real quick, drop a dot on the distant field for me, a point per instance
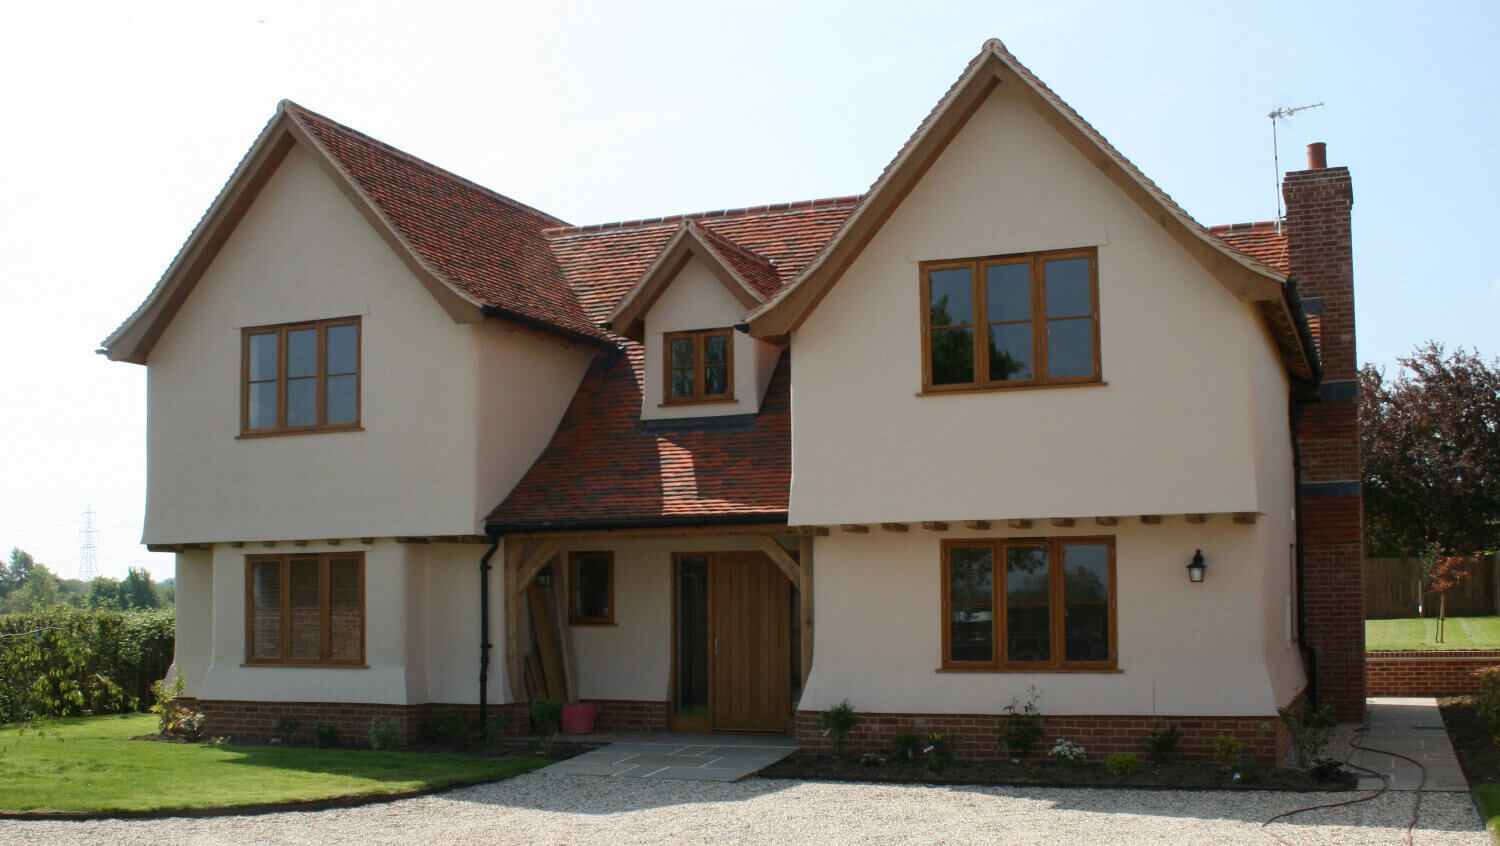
(1415, 634)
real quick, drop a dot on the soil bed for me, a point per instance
(1477, 753)
(1052, 774)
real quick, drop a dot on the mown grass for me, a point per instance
(90, 765)
(1409, 634)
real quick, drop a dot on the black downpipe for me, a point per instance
(484, 638)
(1309, 654)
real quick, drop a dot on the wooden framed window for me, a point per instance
(1011, 321)
(300, 377)
(699, 366)
(305, 609)
(591, 588)
(1029, 603)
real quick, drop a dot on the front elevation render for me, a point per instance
(422, 449)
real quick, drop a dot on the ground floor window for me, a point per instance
(305, 609)
(1029, 603)
(591, 584)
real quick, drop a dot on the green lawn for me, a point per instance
(89, 765)
(1414, 633)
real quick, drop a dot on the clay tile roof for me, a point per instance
(767, 245)
(1263, 241)
(604, 467)
(486, 245)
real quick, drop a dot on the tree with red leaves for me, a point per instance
(1442, 572)
(1430, 443)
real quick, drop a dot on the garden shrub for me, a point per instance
(326, 736)
(64, 661)
(839, 721)
(546, 715)
(1161, 743)
(1310, 728)
(906, 745)
(383, 733)
(455, 728)
(1067, 752)
(1228, 751)
(1022, 725)
(1122, 764)
(1487, 700)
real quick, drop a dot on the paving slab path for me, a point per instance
(540, 808)
(700, 757)
(1413, 727)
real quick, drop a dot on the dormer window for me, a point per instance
(700, 366)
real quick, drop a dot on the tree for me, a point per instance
(12, 577)
(1442, 572)
(137, 591)
(40, 591)
(104, 592)
(1430, 441)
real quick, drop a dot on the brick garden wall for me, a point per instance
(978, 735)
(1439, 673)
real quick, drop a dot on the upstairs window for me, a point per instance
(1011, 321)
(700, 366)
(1029, 604)
(300, 377)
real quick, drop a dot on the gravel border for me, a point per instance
(547, 809)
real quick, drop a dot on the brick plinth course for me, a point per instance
(978, 736)
(1437, 673)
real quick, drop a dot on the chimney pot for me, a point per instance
(1317, 156)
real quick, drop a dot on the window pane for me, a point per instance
(263, 405)
(346, 616)
(302, 353)
(1070, 347)
(690, 629)
(1010, 351)
(301, 402)
(1088, 633)
(951, 296)
(343, 398)
(343, 349)
(1027, 633)
(682, 352)
(970, 575)
(1086, 572)
(1009, 291)
(972, 636)
(715, 381)
(952, 356)
(716, 349)
(682, 383)
(265, 609)
(263, 357)
(1027, 572)
(1068, 288)
(307, 625)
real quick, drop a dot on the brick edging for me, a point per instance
(1439, 672)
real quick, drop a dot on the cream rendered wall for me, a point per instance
(452, 414)
(696, 299)
(451, 602)
(194, 592)
(1171, 432)
(1276, 480)
(1183, 648)
(387, 648)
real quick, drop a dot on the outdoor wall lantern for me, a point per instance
(1196, 567)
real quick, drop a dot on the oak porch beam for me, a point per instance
(805, 600)
(514, 558)
(534, 563)
(780, 558)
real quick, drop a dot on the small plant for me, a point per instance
(1161, 743)
(1487, 700)
(839, 721)
(190, 724)
(383, 733)
(907, 745)
(454, 728)
(870, 759)
(165, 698)
(287, 727)
(937, 763)
(1229, 752)
(326, 736)
(1122, 764)
(1326, 770)
(546, 714)
(1310, 729)
(935, 743)
(1022, 725)
(1067, 752)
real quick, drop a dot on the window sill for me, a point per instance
(283, 432)
(1104, 670)
(989, 389)
(307, 666)
(714, 401)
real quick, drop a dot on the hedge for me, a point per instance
(66, 661)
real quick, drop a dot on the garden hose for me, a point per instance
(1384, 786)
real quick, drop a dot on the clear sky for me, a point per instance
(125, 119)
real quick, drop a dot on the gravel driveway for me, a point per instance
(547, 809)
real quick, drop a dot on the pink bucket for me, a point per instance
(578, 717)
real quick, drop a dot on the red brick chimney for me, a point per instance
(1326, 428)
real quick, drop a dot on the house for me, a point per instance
(424, 450)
